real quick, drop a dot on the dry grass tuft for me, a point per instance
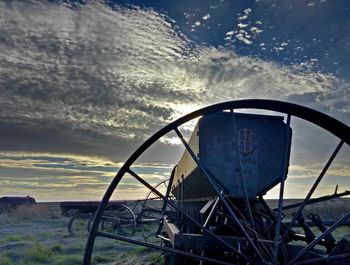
(33, 212)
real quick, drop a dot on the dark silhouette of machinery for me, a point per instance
(9, 203)
(212, 209)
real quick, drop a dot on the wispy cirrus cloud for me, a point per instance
(77, 80)
(96, 81)
(53, 177)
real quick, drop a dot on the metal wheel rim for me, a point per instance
(324, 121)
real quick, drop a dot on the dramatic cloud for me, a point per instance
(95, 80)
(77, 80)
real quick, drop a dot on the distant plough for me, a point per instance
(118, 215)
(8, 204)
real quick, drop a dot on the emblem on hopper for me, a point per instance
(246, 141)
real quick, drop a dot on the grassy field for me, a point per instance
(38, 235)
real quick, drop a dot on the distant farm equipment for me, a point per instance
(11, 203)
(117, 215)
(212, 208)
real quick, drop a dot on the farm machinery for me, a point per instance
(118, 215)
(212, 209)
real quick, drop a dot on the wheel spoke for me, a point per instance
(155, 246)
(314, 186)
(281, 194)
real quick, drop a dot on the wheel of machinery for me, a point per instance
(246, 231)
(119, 220)
(151, 213)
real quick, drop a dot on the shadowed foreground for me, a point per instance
(38, 235)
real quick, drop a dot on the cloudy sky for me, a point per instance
(84, 83)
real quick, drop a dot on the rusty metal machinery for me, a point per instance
(232, 147)
(212, 209)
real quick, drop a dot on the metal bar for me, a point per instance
(314, 186)
(268, 209)
(210, 215)
(281, 195)
(202, 254)
(218, 192)
(242, 177)
(178, 194)
(181, 188)
(150, 235)
(319, 238)
(155, 246)
(166, 202)
(328, 258)
(145, 183)
(246, 199)
(200, 241)
(70, 224)
(326, 223)
(316, 200)
(301, 237)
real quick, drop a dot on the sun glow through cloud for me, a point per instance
(81, 87)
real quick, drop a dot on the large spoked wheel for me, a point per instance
(152, 212)
(119, 220)
(263, 239)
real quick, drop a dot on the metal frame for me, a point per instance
(283, 176)
(161, 212)
(330, 124)
(114, 217)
